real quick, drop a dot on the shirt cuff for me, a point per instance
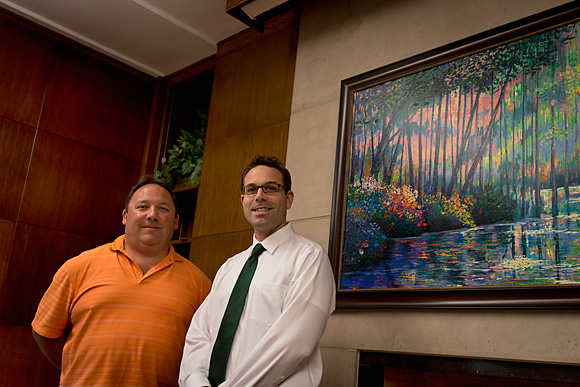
(195, 380)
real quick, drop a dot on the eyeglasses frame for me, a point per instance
(261, 186)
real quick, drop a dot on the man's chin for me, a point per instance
(151, 240)
(267, 227)
(259, 222)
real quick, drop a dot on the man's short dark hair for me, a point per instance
(149, 179)
(271, 162)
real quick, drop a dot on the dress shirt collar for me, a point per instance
(272, 242)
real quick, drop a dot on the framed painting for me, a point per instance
(458, 174)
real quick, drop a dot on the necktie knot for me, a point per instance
(258, 249)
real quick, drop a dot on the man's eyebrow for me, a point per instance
(268, 182)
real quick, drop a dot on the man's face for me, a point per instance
(266, 212)
(150, 218)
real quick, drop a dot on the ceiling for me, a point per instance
(157, 37)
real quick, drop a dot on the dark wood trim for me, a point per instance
(193, 71)
(372, 364)
(155, 127)
(560, 298)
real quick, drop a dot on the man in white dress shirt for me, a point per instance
(290, 298)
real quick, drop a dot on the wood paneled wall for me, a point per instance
(249, 115)
(22, 363)
(76, 132)
(73, 128)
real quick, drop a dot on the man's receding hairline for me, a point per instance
(149, 180)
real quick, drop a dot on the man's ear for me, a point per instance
(289, 199)
(125, 217)
(176, 225)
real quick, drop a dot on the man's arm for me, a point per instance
(197, 350)
(51, 319)
(51, 348)
(199, 339)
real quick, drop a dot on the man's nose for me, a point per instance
(260, 193)
(152, 213)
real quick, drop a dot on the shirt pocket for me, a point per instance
(266, 303)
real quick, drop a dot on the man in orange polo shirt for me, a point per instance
(117, 315)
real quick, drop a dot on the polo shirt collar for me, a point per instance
(119, 245)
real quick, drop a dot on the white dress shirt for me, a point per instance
(291, 296)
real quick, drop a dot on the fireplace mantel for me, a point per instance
(372, 368)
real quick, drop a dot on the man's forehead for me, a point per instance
(150, 192)
(263, 174)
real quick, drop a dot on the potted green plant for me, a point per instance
(182, 166)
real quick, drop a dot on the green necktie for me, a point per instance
(223, 343)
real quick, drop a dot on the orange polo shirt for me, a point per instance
(127, 329)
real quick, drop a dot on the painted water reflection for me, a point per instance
(527, 253)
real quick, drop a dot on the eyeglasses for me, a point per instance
(268, 188)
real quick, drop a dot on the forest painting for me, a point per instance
(466, 174)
